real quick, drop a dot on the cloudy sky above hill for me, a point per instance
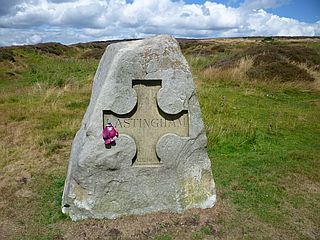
(70, 21)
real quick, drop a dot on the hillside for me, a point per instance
(260, 100)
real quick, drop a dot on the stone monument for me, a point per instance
(159, 161)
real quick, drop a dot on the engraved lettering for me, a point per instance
(171, 123)
(147, 122)
(118, 123)
(126, 123)
(154, 123)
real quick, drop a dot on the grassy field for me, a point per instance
(260, 100)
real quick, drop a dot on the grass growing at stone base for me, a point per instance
(263, 139)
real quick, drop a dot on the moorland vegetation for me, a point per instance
(260, 101)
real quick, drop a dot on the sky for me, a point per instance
(72, 21)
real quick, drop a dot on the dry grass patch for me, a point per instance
(177, 226)
(235, 74)
(314, 72)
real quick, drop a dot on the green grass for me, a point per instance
(202, 233)
(58, 72)
(163, 237)
(263, 140)
(46, 214)
(260, 141)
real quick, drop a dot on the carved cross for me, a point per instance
(146, 123)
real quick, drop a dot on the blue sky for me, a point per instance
(306, 11)
(70, 21)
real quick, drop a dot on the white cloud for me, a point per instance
(35, 39)
(263, 23)
(68, 21)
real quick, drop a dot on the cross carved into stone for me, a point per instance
(146, 123)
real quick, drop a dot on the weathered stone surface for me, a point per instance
(159, 162)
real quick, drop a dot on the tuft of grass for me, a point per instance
(6, 55)
(163, 237)
(237, 73)
(202, 233)
(77, 104)
(197, 235)
(206, 230)
(95, 53)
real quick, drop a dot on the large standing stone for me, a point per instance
(159, 162)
